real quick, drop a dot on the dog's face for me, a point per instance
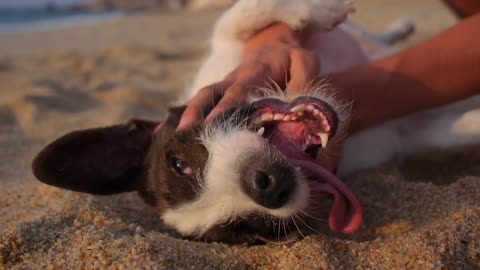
(251, 174)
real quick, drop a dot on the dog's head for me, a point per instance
(249, 174)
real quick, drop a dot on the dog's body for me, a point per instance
(251, 173)
(346, 46)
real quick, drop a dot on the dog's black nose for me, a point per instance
(270, 187)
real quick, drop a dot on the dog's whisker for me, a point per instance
(312, 217)
(308, 226)
(298, 229)
(284, 227)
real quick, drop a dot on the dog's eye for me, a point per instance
(180, 166)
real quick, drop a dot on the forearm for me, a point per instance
(440, 71)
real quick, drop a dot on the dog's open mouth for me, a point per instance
(300, 127)
(299, 130)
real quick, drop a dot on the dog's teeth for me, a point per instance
(324, 138)
(325, 125)
(267, 117)
(261, 131)
(310, 108)
(298, 108)
(294, 118)
(322, 116)
(287, 118)
(278, 116)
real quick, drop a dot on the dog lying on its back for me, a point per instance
(250, 174)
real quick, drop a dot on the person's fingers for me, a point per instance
(206, 97)
(304, 68)
(235, 96)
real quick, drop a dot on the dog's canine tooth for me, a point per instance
(267, 117)
(324, 138)
(261, 131)
(278, 116)
(298, 108)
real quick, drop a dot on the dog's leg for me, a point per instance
(379, 45)
(246, 17)
(397, 31)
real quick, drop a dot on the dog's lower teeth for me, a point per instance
(267, 117)
(286, 118)
(261, 131)
(298, 108)
(278, 116)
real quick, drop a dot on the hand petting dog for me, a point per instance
(404, 83)
(274, 55)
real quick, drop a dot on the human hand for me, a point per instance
(274, 55)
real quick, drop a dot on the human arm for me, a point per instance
(440, 71)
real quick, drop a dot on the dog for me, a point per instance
(251, 174)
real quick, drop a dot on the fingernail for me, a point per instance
(208, 118)
(182, 125)
(211, 115)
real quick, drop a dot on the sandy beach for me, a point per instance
(420, 213)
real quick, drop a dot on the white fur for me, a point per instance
(221, 199)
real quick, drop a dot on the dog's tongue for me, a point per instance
(346, 214)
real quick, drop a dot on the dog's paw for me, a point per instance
(322, 14)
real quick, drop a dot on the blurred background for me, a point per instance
(83, 25)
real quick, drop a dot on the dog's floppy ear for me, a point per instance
(104, 160)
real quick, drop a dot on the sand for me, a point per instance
(420, 213)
